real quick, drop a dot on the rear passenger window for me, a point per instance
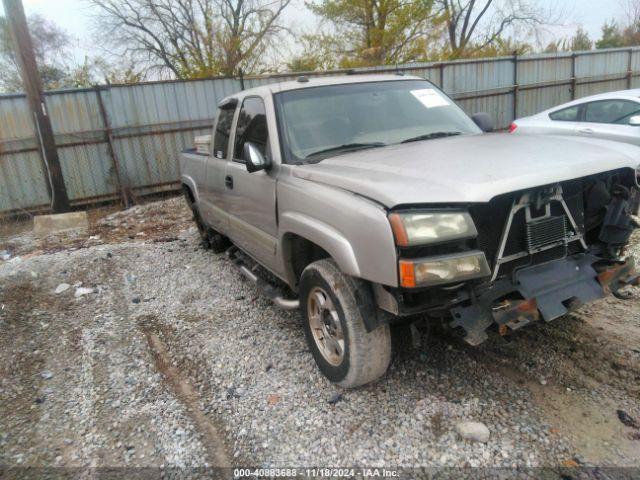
(252, 127)
(611, 111)
(570, 114)
(223, 130)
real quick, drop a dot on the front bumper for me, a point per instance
(548, 291)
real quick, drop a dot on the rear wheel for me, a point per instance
(345, 352)
(210, 239)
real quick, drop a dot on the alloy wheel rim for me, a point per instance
(325, 326)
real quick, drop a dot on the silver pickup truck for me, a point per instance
(372, 199)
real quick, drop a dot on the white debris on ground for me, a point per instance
(169, 358)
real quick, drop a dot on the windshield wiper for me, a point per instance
(347, 147)
(430, 136)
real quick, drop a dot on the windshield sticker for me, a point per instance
(430, 98)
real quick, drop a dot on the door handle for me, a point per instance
(588, 131)
(228, 181)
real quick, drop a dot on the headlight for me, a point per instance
(423, 228)
(443, 269)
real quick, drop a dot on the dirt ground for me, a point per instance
(171, 360)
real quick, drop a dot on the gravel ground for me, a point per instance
(174, 360)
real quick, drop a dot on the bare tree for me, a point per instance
(192, 38)
(631, 11)
(52, 50)
(472, 25)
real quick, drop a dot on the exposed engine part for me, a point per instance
(615, 278)
(547, 291)
(597, 197)
(543, 230)
(617, 224)
(551, 258)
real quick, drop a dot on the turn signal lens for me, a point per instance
(399, 232)
(512, 127)
(407, 274)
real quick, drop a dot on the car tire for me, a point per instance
(333, 305)
(210, 239)
(218, 243)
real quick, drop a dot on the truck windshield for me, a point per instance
(322, 122)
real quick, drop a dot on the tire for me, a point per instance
(338, 326)
(217, 242)
(210, 239)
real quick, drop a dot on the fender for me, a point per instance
(191, 183)
(323, 235)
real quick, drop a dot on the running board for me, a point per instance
(272, 292)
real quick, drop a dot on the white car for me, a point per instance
(612, 116)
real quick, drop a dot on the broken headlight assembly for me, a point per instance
(424, 228)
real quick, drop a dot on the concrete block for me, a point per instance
(60, 222)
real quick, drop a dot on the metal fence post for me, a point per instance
(441, 75)
(629, 71)
(125, 192)
(516, 87)
(241, 79)
(574, 82)
(32, 83)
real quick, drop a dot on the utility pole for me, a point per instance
(32, 83)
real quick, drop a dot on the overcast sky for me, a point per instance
(76, 17)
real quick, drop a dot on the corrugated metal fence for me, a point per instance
(117, 136)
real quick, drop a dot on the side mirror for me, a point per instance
(484, 121)
(254, 159)
(635, 121)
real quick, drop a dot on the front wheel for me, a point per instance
(345, 352)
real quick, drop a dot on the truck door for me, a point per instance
(251, 197)
(214, 208)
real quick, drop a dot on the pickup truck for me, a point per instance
(373, 199)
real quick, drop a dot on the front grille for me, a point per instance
(545, 231)
(490, 219)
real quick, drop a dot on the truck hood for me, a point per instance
(467, 169)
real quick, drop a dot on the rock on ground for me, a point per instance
(473, 431)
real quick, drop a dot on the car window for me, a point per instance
(317, 122)
(611, 111)
(570, 114)
(252, 126)
(222, 132)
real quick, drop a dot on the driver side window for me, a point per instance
(252, 127)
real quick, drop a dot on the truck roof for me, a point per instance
(311, 82)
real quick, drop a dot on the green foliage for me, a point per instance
(370, 32)
(94, 71)
(611, 36)
(581, 41)
(499, 48)
(318, 52)
(615, 36)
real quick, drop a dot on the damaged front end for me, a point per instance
(558, 247)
